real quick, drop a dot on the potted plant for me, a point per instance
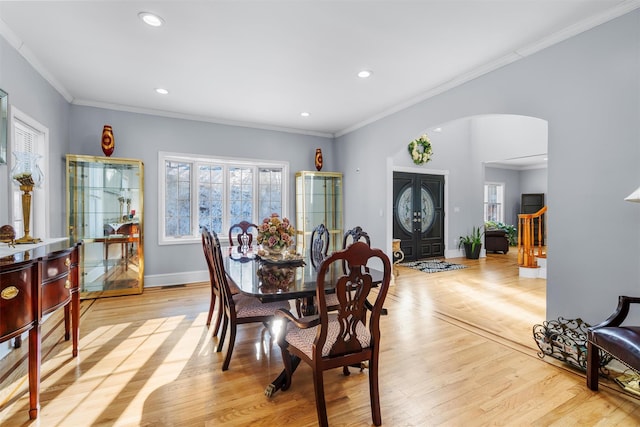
(472, 243)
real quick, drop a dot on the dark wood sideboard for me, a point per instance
(33, 283)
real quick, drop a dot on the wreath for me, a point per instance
(420, 150)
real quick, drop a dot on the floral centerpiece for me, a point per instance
(275, 277)
(275, 234)
(420, 150)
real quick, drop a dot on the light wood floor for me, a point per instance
(457, 351)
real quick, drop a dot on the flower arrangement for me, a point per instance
(278, 277)
(420, 150)
(275, 233)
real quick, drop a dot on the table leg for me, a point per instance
(280, 380)
(307, 306)
(75, 322)
(67, 321)
(34, 371)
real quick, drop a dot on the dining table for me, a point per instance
(283, 277)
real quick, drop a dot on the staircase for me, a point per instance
(532, 257)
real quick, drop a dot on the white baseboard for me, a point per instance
(183, 278)
(459, 253)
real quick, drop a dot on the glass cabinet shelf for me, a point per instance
(105, 212)
(318, 201)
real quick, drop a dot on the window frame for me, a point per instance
(501, 203)
(40, 196)
(226, 163)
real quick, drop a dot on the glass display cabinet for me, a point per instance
(318, 201)
(105, 211)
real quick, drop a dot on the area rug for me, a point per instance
(432, 265)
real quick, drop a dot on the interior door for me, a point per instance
(418, 214)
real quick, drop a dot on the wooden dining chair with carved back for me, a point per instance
(242, 231)
(216, 294)
(238, 308)
(357, 234)
(320, 241)
(318, 250)
(346, 337)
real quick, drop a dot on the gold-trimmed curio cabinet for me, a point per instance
(105, 212)
(318, 201)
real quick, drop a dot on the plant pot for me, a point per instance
(472, 254)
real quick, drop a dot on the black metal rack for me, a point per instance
(566, 340)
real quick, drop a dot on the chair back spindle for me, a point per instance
(244, 237)
(320, 240)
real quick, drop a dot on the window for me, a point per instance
(494, 202)
(30, 136)
(216, 193)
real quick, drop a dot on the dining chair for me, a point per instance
(356, 234)
(244, 227)
(238, 308)
(351, 236)
(216, 294)
(346, 337)
(320, 240)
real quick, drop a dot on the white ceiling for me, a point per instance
(261, 63)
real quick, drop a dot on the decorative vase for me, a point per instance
(27, 174)
(318, 160)
(108, 143)
(275, 250)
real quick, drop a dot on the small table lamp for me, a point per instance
(634, 197)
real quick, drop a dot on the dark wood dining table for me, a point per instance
(270, 280)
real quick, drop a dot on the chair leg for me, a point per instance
(593, 365)
(321, 405)
(374, 392)
(223, 333)
(212, 306)
(216, 328)
(232, 341)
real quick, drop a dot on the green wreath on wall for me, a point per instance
(420, 150)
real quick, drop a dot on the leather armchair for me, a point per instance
(496, 241)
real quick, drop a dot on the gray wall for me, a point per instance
(587, 88)
(512, 191)
(32, 95)
(517, 182)
(141, 136)
(534, 181)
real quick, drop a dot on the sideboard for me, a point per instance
(35, 281)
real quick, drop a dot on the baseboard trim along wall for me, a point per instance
(157, 280)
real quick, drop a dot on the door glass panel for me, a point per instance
(428, 211)
(404, 209)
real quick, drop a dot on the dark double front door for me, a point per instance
(418, 214)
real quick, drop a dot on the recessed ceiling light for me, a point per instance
(162, 91)
(364, 74)
(151, 19)
(305, 114)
